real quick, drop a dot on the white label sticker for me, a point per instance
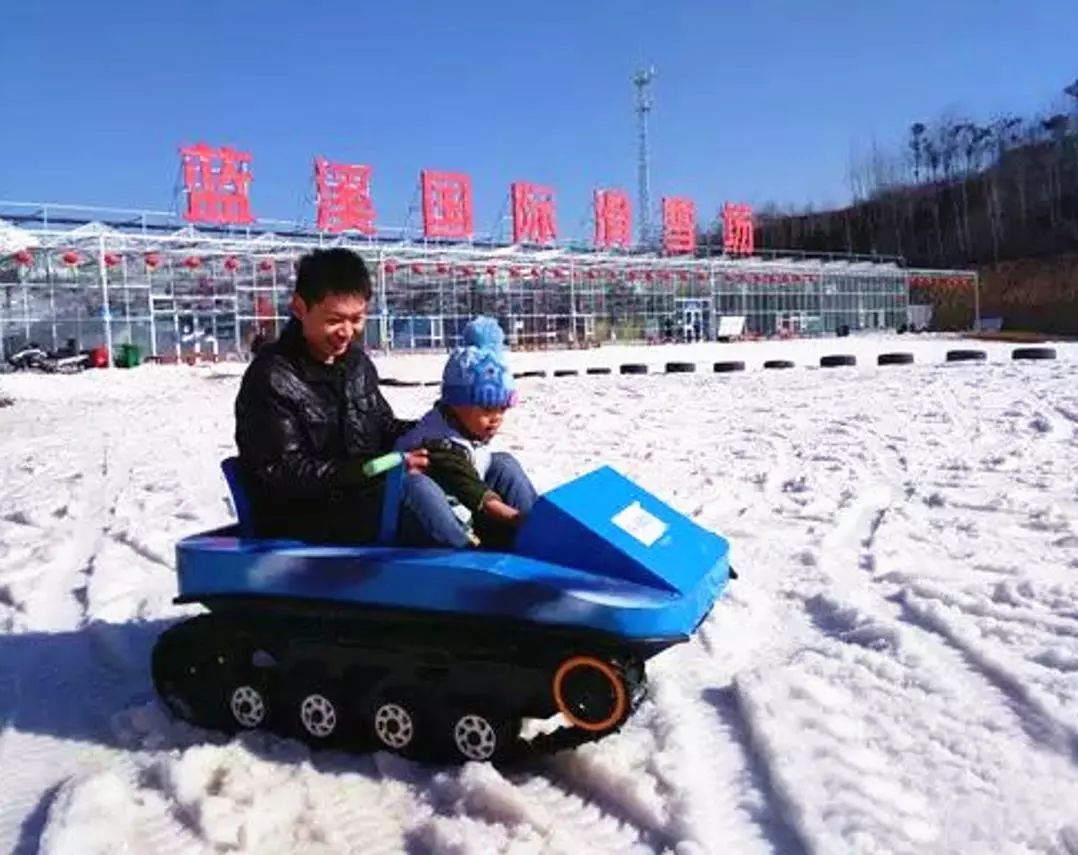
(638, 523)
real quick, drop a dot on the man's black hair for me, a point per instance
(332, 271)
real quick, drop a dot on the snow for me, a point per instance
(896, 670)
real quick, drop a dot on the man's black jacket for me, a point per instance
(298, 422)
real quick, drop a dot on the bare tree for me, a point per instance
(958, 190)
(917, 135)
(1056, 127)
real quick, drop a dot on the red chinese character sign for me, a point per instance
(679, 225)
(216, 181)
(343, 197)
(737, 229)
(533, 213)
(613, 219)
(447, 204)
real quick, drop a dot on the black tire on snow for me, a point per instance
(1033, 353)
(248, 702)
(481, 735)
(316, 711)
(600, 370)
(592, 693)
(837, 360)
(778, 363)
(633, 368)
(526, 374)
(966, 356)
(895, 359)
(392, 381)
(680, 367)
(394, 722)
(194, 667)
(727, 367)
(565, 372)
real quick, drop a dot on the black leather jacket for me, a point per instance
(298, 422)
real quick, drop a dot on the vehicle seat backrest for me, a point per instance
(230, 466)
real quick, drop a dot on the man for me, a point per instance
(309, 415)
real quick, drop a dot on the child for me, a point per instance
(477, 389)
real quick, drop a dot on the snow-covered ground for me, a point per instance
(895, 671)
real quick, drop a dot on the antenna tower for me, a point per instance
(642, 80)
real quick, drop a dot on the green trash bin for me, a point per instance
(130, 356)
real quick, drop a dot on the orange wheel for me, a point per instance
(590, 693)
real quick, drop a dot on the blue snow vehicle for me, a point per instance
(440, 653)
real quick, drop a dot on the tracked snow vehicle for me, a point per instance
(433, 653)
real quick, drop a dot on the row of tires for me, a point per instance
(835, 360)
(317, 717)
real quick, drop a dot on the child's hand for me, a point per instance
(496, 509)
(417, 461)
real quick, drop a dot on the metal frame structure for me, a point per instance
(178, 292)
(641, 81)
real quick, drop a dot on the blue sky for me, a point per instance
(756, 101)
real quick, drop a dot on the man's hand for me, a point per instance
(416, 462)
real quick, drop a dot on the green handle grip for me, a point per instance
(382, 464)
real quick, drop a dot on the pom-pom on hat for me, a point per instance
(477, 374)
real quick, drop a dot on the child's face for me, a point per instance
(481, 422)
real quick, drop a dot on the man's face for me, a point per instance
(330, 325)
(481, 422)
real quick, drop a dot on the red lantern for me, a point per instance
(70, 258)
(232, 263)
(590, 274)
(265, 265)
(417, 268)
(514, 273)
(649, 276)
(152, 259)
(390, 265)
(492, 270)
(631, 275)
(701, 275)
(112, 259)
(442, 268)
(23, 258)
(537, 272)
(192, 261)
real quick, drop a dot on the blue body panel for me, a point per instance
(574, 566)
(605, 524)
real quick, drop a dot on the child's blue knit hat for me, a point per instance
(477, 373)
